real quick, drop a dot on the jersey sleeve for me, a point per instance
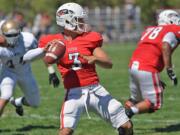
(42, 42)
(96, 39)
(177, 32)
(47, 38)
(171, 39)
(33, 54)
(29, 40)
(33, 44)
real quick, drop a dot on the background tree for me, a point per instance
(32, 7)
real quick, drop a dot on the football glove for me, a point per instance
(54, 80)
(172, 76)
(163, 84)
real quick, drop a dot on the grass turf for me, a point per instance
(45, 119)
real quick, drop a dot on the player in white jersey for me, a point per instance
(15, 70)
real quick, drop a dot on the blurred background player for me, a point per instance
(14, 69)
(152, 55)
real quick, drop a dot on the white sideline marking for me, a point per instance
(94, 118)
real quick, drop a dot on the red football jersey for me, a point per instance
(75, 71)
(47, 38)
(148, 53)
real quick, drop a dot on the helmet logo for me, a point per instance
(64, 12)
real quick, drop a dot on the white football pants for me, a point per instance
(93, 97)
(146, 85)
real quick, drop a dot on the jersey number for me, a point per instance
(76, 62)
(10, 64)
(152, 33)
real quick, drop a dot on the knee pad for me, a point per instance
(7, 91)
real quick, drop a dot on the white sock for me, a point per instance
(18, 101)
(134, 109)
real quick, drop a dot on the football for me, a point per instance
(55, 50)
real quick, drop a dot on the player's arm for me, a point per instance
(38, 53)
(53, 78)
(99, 57)
(33, 54)
(169, 43)
(166, 51)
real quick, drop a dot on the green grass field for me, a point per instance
(45, 119)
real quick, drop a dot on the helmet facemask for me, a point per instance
(174, 19)
(81, 25)
(12, 39)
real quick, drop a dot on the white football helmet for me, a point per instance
(71, 16)
(11, 31)
(168, 17)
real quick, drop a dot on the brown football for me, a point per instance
(56, 50)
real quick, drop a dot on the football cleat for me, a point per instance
(19, 109)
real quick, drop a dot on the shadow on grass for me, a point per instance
(33, 127)
(5, 130)
(10, 132)
(26, 129)
(169, 128)
(141, 131)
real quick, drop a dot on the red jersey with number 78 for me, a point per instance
(75, 71)
(148, 54)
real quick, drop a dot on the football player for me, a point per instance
(14, 70)
(77, 68)
(152, 55)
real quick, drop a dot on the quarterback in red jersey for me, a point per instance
(75, 70)
(78, 71)
(151, 56)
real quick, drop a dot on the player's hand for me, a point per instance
(3, 42)
(172, 76)
(163, 84)
(90, 59)
(49, 44)
(54, 80)
(46, 47)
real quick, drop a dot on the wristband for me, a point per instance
(51, 69)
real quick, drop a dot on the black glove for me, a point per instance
(163, 84)
(172, 76)
(54, 80)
